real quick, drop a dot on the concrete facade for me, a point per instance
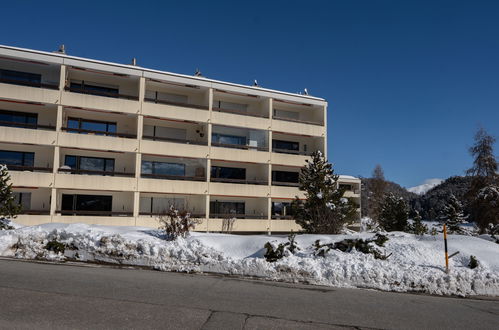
(194, 129)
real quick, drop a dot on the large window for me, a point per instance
(230, 106)
(280, 146)
(91, 125)
(17, 158)
(18, 119)
(285, 176)
(228, 139)
(23, 199)
(151, 168)
(286, 114)
(22, 78)
(93, 88)
(160, 205)
(226, 208)
(89, 163)
(219, 172)
(92, 203)
(281, 209)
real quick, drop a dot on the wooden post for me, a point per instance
(446, 252)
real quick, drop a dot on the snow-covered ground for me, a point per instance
(415, 264)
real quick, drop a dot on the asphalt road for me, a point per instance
(53, 296)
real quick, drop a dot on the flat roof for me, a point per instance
(42, 55)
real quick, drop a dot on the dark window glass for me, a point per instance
(228, 139)
(217, 207)
(84, 87)
(17, 158)
(162, 168)
(89, 163)
(20, 77)
(92, 125)
(228, 172)
(86, 203)
(11, 118)
(23, 199)
(285, 145)
(281, 208)
(284, 176)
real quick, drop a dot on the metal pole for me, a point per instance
(446, 253)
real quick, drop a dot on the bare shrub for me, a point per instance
(177, 223)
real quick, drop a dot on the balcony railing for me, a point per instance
(282, 217)
(184, 141)
(92, 172)
(100, 93)
(28, 168)
(26, 125)
(173, 177)
(238, 146)
(29, 83)
(298, 121)
(179, 104)
(240, 181)
(35, 212)
(291, 152)
(288, 184)
(95, 213)
(87, 131)
(237, 216)
(157, 214)
(239, 112)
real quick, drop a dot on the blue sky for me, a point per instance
(408, 82)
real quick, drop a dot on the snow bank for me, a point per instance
(415, 264)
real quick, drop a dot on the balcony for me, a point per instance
(247, 189)
(45, 93)
(74, 97)
(239, 118)
(182, 111)
(95, 213)
(29, 83)
(28, 176)
(98, 140)
(173, 177)
(89, 180)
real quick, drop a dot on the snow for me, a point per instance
(426, 186)
(415, 264)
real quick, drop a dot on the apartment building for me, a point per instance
(105, 143)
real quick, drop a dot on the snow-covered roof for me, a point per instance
(254, 89)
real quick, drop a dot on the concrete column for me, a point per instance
(210, 100)
(142, 89)
(140, 127)
(269, 212)
(59, 120)
(56, 162)
(207, 212)
(62, 78)
(53, 203)
(136, 205)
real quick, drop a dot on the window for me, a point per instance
(156, 205)
(286, 114)
(22, 78)
(230, 106)
(286, 145)
(86, 203)
(281, 209)
(162, 168)
(347, 187)
(228, 139)
(285, 176)
(89, 163)
(17, 158)
(226, 208)
(91, 125)
(17, 119)
(93, 88)
(23, 199)
(228, 173)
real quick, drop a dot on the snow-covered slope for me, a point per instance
(427, 185)
(415, 264)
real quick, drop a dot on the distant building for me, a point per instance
(112, 144)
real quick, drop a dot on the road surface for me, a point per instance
(54, 296)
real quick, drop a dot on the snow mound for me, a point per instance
(426, 186)
(415, 264)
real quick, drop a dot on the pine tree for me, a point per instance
(418, 227)
(394, 214)
(8, 206)
(453, 215)
(378, 189)
(324, 210)
(485, 182)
